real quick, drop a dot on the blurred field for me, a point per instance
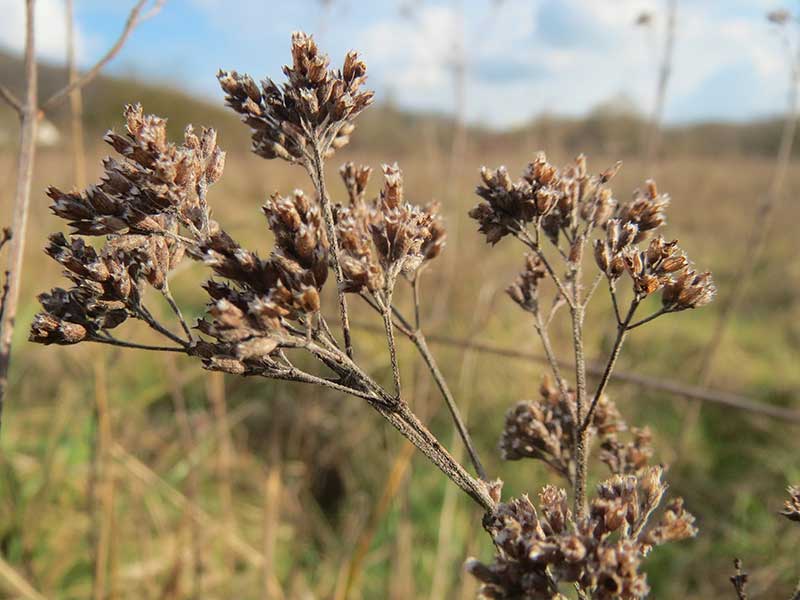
(192, 489)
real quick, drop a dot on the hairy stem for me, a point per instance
(317, 173)
(420, 342)
(622, 332)
(581, 434)
(387, 324)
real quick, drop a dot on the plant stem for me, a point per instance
(622, 332)
(665, 70)
(580, 434)
(122, 344)
(655, 315)
(317, 173)
(176, 309)
(549, 353)
(27, 154)
(387, 324)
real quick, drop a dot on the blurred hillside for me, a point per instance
(612, 128)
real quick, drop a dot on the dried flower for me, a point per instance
(316, 105)
(544, 430)
(525, 289)
(385, 237)
(791, 508)
(628, 458)
(299, 232)
(538, 550)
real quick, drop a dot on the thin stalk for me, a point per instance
(668, 386)
(419, 341)
(317, 173)
(665, 71)
(581, 437)
(165, 291)
(418, 338)
(541, 329)
(27, 155)
(75, 103)
(135, 18)
(122, 344)
(622, 332)
(533, 245)
(148, 318)
(389, 328)
(655, 315)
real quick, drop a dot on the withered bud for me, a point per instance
(791, 508)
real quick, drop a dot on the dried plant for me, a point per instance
(265, 318)
(599, 543)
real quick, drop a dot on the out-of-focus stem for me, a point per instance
(27, 154)
(665, 71)
(75, 103)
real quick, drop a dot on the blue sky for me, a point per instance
(522, 57)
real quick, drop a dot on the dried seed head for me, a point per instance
(507, 205)
(646, 210)
(299, 232)
(791, 508)
(688, 290)
(355, 181)
(386, 237)
(316, 107)
(525, 289)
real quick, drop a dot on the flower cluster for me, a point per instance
(315, 107)
(661, 266)
(525, 289)
(557, 200)
(626, 458)
(248, 313)
(544, 429)
(152, 183)
(539, 549)
(144, 198)
(385, 237)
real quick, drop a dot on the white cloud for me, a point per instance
(51, 28)
(567, 56)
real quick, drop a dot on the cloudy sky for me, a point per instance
(522, 57)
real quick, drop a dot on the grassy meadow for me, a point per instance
(198, 485)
